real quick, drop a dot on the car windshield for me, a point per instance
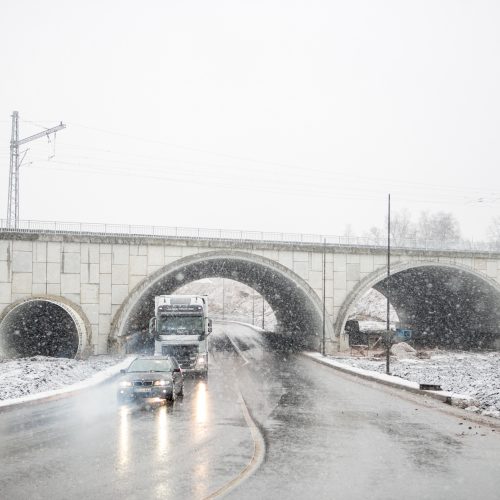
(150, 365)
(180, 325)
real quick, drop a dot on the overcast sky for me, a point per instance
(268, 115)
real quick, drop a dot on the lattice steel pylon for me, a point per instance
(13, 200)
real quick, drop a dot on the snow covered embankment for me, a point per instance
(23, 379)
(472, 374)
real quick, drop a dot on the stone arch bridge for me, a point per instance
(70, 293)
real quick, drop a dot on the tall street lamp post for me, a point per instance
(388, 291)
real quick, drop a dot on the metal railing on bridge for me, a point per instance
(130, 230)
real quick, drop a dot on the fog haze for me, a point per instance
(278, 116)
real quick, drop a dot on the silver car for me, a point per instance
(158, 377)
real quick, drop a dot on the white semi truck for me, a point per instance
(180, 327)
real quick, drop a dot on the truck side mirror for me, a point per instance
(209, 329)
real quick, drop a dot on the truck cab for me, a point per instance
(180, 328)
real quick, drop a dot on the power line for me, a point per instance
(296, 181)
(263, 165)
(242, 174)
(352, 193)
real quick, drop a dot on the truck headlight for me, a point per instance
(201, 359)
(161, 382)
(125, 383)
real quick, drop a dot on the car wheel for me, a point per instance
(181, 391)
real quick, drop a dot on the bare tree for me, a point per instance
(432, 228)
(375, 235)
(402, 227)
(494, 233)
(439, 227)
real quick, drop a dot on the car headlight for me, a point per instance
(125, 383)
(161, 382)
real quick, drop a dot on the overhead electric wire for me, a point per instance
(189, 179)
(230, 171)
(223, 182)
(263, 162)
(306, 173)
(200, 167)
(230, 175)
(466, 191)
(243, 176)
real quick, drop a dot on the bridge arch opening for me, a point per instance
(370, 311)
(231, 300)
(296, 306)
(41, 327)
(446, 306)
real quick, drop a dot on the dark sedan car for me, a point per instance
(158, 377)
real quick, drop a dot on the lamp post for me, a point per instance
(388, 290)
(323, 348)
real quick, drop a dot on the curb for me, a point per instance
(450, 398)
(70, 390)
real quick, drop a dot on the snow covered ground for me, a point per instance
(26, 376)
(469, 373)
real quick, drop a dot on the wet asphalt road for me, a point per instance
(90, 447)
(332, 436)
(327, 435)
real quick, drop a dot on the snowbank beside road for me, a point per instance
(24, 379)
(476, 375)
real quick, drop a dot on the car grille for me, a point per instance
(143, 383)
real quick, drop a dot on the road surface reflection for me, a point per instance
(123, 439)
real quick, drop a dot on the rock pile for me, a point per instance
(402, 350)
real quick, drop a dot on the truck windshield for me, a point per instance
(180, 325)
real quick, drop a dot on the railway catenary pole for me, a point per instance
(15, 164)
(13, 198)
